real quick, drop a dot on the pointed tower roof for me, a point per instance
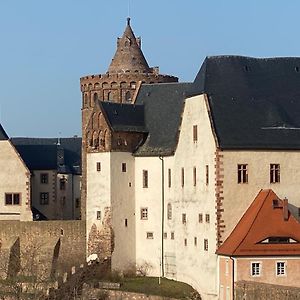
(129, 56)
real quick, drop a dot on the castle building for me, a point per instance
(181, 165)
(128, 70)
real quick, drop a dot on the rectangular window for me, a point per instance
(195, 176)
(206, 175)
(126, 222)
(62, 184)
(195, 241)
(280, 268)
(195, 133)
(182, 177)
(149, 235)
(207, 218)
(169, 178)
(185, 242)
(12, 199)
(183, 218)
(44, 178)
(172, 235)
(44, 198)
(98, 214)
(255, 269)
(144, 213)
(169, 211)
(200, 218)
(124, 167)
(145, 178)
(77, 202)
(242, 173)
(165, 235)
(98, 165)
(274, 173)
(205, 244)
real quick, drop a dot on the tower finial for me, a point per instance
(128, 21)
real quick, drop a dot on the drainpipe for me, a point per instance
(233, 275)
(162, 214)
(73, 213)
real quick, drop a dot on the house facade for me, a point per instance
(15, 197)
(261, 251)
(55, 167)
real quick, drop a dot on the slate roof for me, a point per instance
(262, 220)
(254, 102)
(43, 153)
(3, 135)
(124, 117)
(163, 108)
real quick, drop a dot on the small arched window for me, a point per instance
(128, 96)
(95, 97)
(109, 96)
(169, 211)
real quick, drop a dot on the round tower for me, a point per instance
(126, 72)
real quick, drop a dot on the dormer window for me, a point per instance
(278, 240)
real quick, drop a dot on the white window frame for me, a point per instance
(255, 274)
(284, 268)
(144, 213)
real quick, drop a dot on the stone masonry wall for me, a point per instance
(53, 246)
(252, 291)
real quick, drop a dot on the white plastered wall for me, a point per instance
(189, 263)
(14, 178)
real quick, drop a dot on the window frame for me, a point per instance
(124, 167)
(242, 173)
(278, 270)
(205, 244)
(144, 213)
(43, 199)
(149, 235)
(274, 173)
(13, 200)
(98, 166)
(255, 271)
(145, 179)
(44, 178)
(195, 133)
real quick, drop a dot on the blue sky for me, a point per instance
(46, 46)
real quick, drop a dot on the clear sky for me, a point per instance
(46, 46)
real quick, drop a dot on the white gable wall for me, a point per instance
(14, 178)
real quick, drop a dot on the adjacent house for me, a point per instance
(55, 167)
(263, 247)
(15, 196)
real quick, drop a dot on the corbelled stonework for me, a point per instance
(127, 71)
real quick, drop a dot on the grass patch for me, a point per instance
(150, 286)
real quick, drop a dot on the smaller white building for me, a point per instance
(15, 197)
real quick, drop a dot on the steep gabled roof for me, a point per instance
(43, 153)
(163, 108)
(254, 102)
(265, 218)
(129, 56)
(124, 117)
(3, 135)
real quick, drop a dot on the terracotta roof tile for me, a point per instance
(261, 221)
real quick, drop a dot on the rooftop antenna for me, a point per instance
(128, 18)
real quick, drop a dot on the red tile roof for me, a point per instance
(263, 219)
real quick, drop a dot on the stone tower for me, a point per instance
(127, 71)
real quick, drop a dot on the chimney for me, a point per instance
(285, 209)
